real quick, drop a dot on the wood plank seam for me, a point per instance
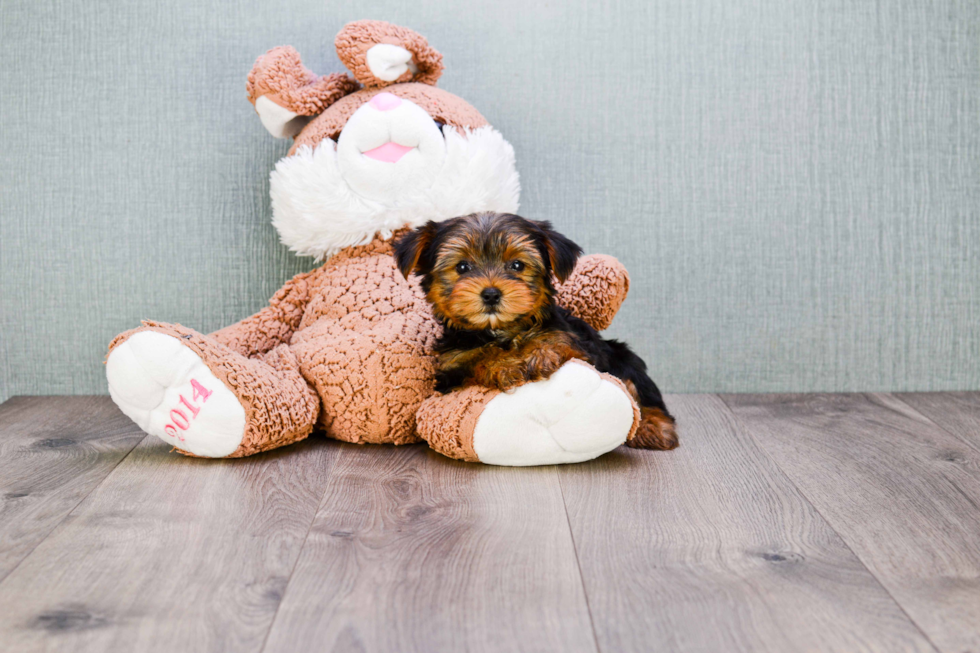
(299, 556)
(201, 544)
(829, 522)
(578, 564)
(972, 445)
(68, 514)
(413, 551)
(710, 548)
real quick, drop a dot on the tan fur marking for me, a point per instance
(534, 357)
(656, 431)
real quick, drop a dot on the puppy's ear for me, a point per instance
(562, 252)
(411, 249)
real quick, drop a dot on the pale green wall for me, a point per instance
(794, 185)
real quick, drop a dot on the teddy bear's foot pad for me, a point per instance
(573, 416)
(169, 392)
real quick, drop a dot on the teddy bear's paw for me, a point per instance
(575, 415)
(169, 392)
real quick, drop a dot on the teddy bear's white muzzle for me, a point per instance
(390, 147)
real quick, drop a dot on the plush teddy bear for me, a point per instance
(347, 347)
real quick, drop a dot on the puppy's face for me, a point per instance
(487, 270)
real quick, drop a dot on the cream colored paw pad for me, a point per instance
(573, 416)
(169, 392)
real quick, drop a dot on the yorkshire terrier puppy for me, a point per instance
(488, 277)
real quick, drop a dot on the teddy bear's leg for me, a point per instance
(205, 399)
(577, 414)
(370, 382)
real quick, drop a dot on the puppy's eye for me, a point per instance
(462, 267)
(516, 266)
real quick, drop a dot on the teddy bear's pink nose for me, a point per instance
(385, 101)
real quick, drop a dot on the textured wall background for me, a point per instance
(794, 185)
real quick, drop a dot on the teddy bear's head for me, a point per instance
(379, 152)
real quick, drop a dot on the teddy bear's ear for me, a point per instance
(379, 53)
(286, 94)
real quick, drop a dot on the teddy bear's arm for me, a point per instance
(274, 324)
(595, 290)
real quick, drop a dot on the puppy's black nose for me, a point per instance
(491, 296)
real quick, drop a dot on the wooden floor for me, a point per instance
(783, 523)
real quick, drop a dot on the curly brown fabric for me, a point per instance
(441, 105)
(281, 75)
(274, 324)
(356, 38)
(595, 290)
(447, 422)
(372, 381)
(280, 406)
(348, 347)
(363, 338)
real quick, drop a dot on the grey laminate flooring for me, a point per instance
(782, 523)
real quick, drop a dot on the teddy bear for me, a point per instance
(346, 348)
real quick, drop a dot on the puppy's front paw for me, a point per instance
(543, 363)
(504, 377)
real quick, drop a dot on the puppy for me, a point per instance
(488, 277)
